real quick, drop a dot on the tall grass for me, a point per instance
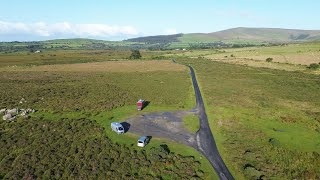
(266, 122)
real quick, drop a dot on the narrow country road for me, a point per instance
(205, 141)
(170, 125)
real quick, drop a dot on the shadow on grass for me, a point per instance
(145, 104)
(126, 126)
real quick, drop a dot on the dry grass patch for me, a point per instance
(109, 66)
(304, 59)
(258, 63)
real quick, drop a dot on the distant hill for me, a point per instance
(266, 34)
(157, 39)
(237, 35)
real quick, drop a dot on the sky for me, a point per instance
(34, 20)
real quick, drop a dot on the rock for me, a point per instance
(23, 113)
(13, 111)
(7, 117)
(30, 110)
(22, 101)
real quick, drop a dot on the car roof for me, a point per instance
(142, 138)
(116, 124)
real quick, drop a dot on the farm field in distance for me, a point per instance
(291, 57)
(49, 57)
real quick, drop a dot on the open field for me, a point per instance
(292, 57)
(79, 148)
(66, 44)
(50, 88)
(49, 57)
(107, 66)
(266, 122)
(59, 57)
(304, 54)
(105, 95)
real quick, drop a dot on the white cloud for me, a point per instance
(43, 29)
(171, 31)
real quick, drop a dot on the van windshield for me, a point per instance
(140, 142)
(120, 128)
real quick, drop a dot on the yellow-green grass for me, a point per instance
(94, 91)
(303, 54)
(264, 64)
(109, 96)
(49, 57)
(74, 148)
(266, 122)
(191, 122)
(121, 114)
(292, 57)
(107, 66)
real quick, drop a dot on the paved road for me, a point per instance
(163, 124)
(205, 141)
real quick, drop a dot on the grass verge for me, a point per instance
(265, 122)
(191, 122)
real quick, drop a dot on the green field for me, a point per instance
(79, 148)
(266, 122)
(48, 57)
(65, 44)
(264, 115)
(292, 57)
(62, 98)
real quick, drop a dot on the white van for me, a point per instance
(117, 127)
(143, 141)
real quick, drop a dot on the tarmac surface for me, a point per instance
(170, 125)
(165, 125)
(205, 140)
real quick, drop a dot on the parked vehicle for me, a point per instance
(143, 141)
(117, 127)
(140, 104)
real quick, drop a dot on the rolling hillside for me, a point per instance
(266, 34)
(226, 38)
(239, 35)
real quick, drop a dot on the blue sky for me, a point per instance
(120, 19)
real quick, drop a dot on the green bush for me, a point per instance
(313, 66)
(135, 54)
(269, 59)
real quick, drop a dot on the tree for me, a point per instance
(135, 54)
(269, 59)
(313, 66)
